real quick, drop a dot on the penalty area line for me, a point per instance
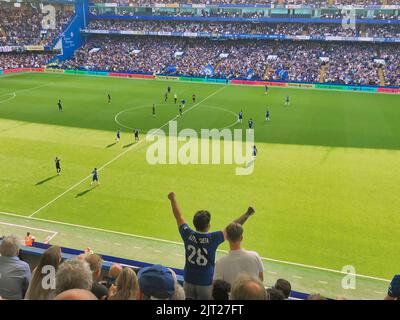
(47, 240)
(121, 154)
(181, 244)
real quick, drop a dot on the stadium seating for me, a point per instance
(246, 59)
(23, 25)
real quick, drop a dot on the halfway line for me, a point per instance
(120, 155)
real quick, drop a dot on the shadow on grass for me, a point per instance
(111, 144)
(81, 194)
(45, 180)
(129, 145)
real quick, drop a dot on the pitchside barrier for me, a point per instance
(32, 255)
(237, 81)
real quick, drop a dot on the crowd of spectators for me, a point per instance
(24, 60)
(315, 3)
(239, 275)
(391, 68)
(27, 25)
(288, 29)
(302, 61)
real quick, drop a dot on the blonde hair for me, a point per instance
(127, 285)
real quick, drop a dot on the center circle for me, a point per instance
(125, 111)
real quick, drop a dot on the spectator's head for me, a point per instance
(248, 288)
(51, 258)
(221, 290)
(234, 234)
(284, 286)
(315, 296)
(9, 247)
(76, 294)
(95, 262)
(73, 274)
(201, 220)
(275, 294)
(115, 270)
(126, 285)
(156, 282)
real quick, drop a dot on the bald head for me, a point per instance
(115, 270)
(76, 294)
(248, 288)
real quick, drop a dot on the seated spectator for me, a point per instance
(73, 274)
(28, 241)
(48, 265)
(76, 294)
(95, 262)
(284, 286)
(247, 287)
(200, 248)
(394, 289)
(221, 290)
(156, 283)
(275, 294)
(125, 287)
(238, 260)
(15, 273)
(112, 276)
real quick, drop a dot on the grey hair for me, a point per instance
(9, 247)
(73, 274)
(247, 287)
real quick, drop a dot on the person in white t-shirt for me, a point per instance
(238, 260)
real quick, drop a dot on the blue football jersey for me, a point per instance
(200, 249)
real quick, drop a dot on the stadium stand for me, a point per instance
(289, 29)
(23, 25)
(76, 274)
(245, 59)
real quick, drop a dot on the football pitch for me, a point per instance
(325, 185)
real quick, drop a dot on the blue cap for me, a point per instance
(157, 281)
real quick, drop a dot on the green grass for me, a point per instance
(325, 186)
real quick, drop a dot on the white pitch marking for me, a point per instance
(119, 156)
(53, 233)
(13, 95)
(180, 243)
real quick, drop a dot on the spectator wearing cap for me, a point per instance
(156, 283)
(238, 260)
(394, 289)
(200, 248)
(15, 274)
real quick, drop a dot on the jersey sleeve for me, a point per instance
(217, 237)
(185, 231)
(394, 287)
